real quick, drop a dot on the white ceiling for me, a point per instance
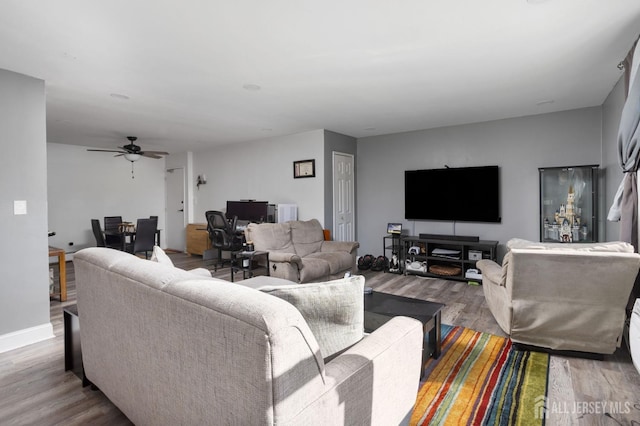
(362, 67)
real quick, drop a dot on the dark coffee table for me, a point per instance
(381, 307)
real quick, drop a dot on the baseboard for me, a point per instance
(27, 336)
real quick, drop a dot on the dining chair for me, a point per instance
(223, 235)
(145, 237)
(97, 233)
(112, 236)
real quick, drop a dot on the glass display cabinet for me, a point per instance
(569, 204)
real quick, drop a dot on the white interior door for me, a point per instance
(343, 197)
(175, 233)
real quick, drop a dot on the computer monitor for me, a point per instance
(252, 211)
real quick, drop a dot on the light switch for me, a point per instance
(19, 207)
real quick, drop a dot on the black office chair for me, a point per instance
(111, 224)
(145, 237)
(223, 235)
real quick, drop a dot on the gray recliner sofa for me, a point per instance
(299, 253)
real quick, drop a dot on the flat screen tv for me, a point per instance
(467, 194)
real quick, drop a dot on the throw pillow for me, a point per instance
(334, 310)
(160, 256)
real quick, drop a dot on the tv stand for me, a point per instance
(446, 258)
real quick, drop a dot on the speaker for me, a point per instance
(449, 237)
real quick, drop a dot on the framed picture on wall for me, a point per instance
(304, 169)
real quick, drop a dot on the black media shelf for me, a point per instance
(429, 256)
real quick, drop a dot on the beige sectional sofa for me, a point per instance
(298, 251)
(171, 347)
(569, 297)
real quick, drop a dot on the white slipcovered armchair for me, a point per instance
(562, 296)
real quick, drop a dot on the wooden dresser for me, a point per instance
(197, 238)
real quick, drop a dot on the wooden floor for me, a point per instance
(35, 389)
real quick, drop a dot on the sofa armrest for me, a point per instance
(275, 256)
(491, 272)
(376, 380)
(334, 310)
(333, 246)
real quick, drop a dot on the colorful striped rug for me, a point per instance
(480, 380)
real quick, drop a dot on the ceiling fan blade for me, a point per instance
(105, 150)
(149, 154)
(156, 152)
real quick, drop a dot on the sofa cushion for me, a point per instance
(152, 274)
(307, 236)
(271, 237)
(338, 261)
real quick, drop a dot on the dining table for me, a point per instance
(127, 232)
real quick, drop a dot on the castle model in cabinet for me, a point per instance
(569, 204)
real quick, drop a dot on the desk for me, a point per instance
(62, 267)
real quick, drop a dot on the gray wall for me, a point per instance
(23, 176)
(262, 170)
(518, 146)
(336, 142)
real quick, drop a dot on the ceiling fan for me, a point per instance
(132, 152)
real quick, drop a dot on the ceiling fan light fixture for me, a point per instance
(132, 157)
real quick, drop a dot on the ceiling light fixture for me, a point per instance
(132, 157)
(545, 102)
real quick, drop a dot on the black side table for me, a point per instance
(247, 261)
(72, 349)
